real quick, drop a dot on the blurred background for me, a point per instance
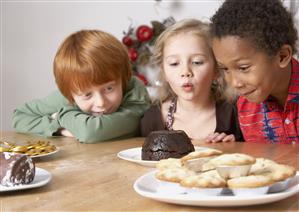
(31, 32)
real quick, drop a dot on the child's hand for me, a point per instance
(220, 137)
(66, 133)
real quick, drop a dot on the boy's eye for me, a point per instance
(84, 96)
(87, 95)
(243, 68)
(109, 88)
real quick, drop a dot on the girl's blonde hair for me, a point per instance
(90, 57)
(200, 29)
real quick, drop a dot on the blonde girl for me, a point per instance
(191, 95)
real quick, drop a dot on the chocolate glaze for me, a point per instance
(16, 169)
(166, 144)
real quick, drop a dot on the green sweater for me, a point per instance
(35, 116)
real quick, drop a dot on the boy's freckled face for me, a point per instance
(101, 99)
(251, 72)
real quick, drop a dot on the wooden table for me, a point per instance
(91, 177)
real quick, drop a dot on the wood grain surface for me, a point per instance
(90, 177)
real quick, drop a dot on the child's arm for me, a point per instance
(35, 116)
(122, 123)
(90, 129)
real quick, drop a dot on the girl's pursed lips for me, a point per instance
(188, 84)
(187, 87)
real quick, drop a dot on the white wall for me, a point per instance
(32, 31)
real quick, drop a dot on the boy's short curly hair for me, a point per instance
(88, 58)
(266, 23)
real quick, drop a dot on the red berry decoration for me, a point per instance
(144, 33)
(127, 40)
(142, 78)
(133, 54)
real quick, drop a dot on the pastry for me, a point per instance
(235, 159)
(251, 181)
(199, 160)
(233, 165)
(269, 168)
(173, 175)
(209, 179)
(169, 163)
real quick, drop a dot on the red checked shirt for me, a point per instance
(269, 122)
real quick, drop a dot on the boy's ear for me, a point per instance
(284, 55)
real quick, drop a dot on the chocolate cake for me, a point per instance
(16, 169)
(166, 144)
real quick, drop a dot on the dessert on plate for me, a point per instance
(166, 144)
(16, 169)
(237, 174)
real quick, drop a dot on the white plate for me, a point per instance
(42, 177)
(147, 184)
(134, 155)
(46, 154)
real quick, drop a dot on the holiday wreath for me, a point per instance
(139, 41)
